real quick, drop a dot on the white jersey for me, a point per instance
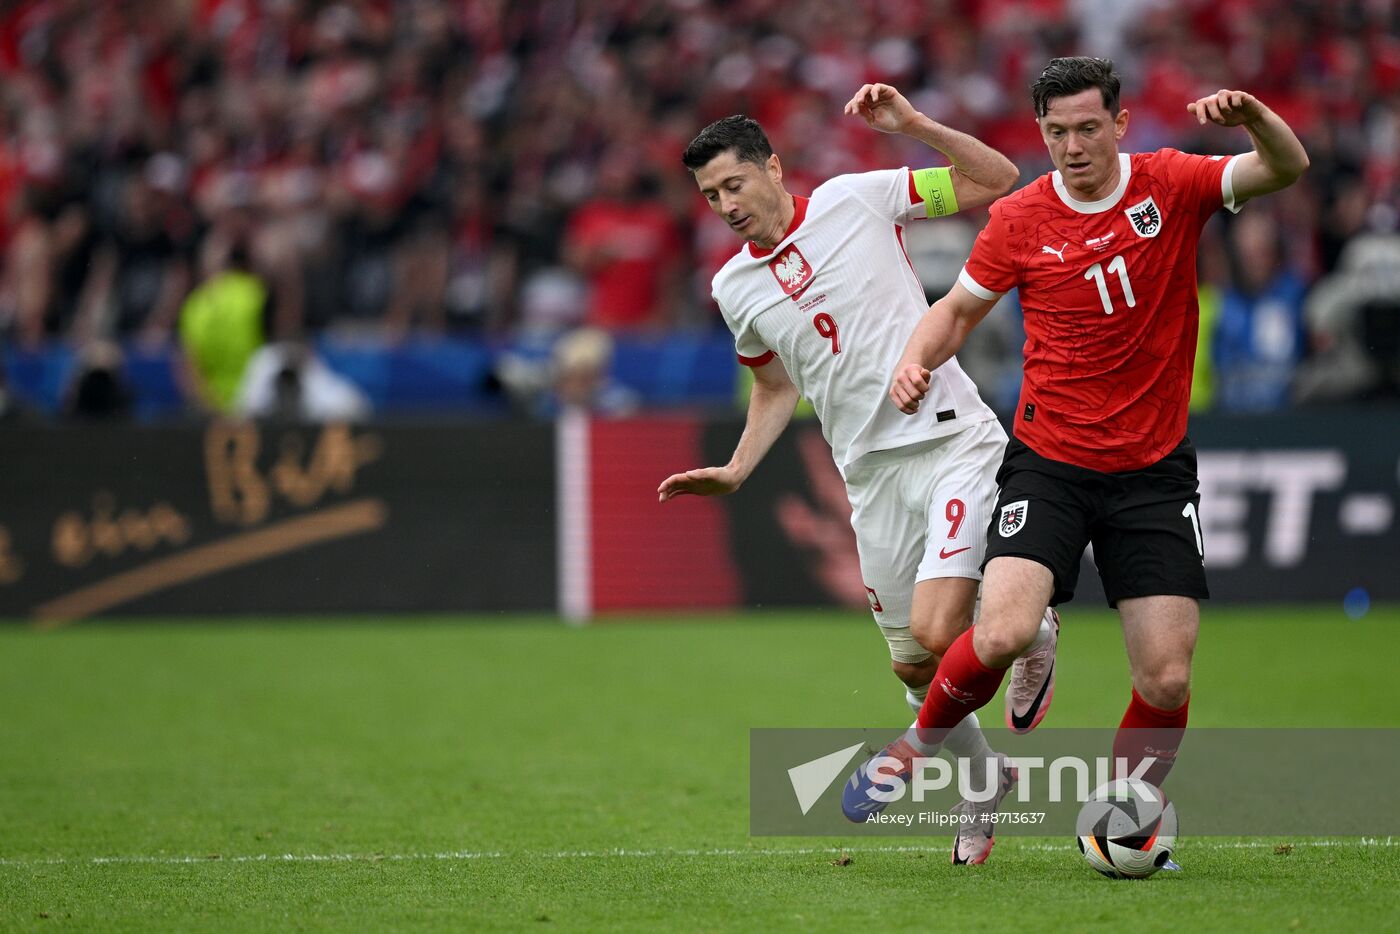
(836, 301)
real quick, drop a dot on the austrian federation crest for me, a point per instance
(792, 270)
(1013, 517)
(1145, 217)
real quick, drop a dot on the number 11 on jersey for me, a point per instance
(1119, 265)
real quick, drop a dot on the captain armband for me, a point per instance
(935, 186)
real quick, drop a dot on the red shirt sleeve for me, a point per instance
(991, 268)
(1204, 180)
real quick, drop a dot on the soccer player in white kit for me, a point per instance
(821, 300)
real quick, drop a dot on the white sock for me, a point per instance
(967, 742)
(915, 698)
(911, 736)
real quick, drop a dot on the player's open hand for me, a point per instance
(882, 107)
(703, 481)
(910, 387)
(1227, 108)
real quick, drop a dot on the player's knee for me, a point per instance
(998, 644)
(915, 674)
(936, 631)
(1166, 686)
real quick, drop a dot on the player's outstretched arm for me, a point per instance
(770, 409)
(938, 335)
(1278, 158)
(980, 173)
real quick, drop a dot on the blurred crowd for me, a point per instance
(221, 176)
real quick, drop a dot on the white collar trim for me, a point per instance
(1125, 168)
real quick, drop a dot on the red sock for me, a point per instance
(961, 685)
(1149, 731)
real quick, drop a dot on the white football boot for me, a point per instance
(973, 844)
(1033, 678)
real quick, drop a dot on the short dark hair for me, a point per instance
(738, 132)
(1065, 77)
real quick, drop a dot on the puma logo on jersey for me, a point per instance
(1060, 252)
(792, 271)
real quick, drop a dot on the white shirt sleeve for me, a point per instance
(747, 344)
(887, 192)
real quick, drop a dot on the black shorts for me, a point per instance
(1144, 524)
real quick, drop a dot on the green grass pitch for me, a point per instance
(515, 774)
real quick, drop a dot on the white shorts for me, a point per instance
(921, 512)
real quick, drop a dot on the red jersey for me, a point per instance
(1108, 289)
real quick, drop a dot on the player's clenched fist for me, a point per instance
(910, 386)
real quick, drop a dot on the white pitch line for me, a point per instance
(466, 855)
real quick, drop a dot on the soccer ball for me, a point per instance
(1127, 829)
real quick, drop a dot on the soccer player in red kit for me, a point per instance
(1103, 251)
